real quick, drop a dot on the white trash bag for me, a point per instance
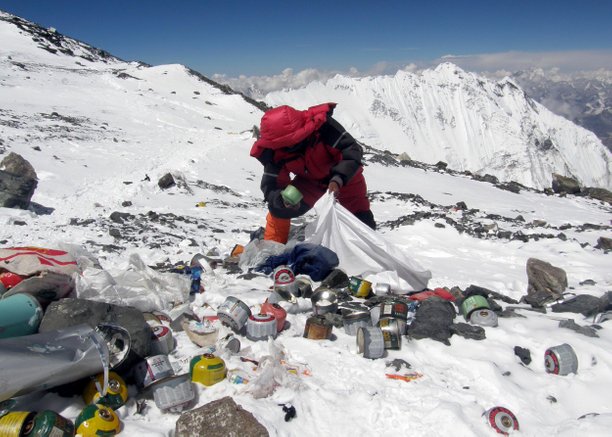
(363, 251)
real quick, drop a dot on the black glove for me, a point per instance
(280, 209)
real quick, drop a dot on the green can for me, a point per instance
(291, 195)
(473, 303)
(359, 287)
(48, 423)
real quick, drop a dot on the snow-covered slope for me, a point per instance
(470, 122)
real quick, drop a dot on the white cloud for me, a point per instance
(493, 64)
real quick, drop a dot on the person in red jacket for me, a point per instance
(314, 153)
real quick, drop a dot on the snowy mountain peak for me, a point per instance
(466, 120)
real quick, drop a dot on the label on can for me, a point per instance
(234, 313)
(370, 342)
(152, 369)
(50, 424)
(359, 287)
(391, 333)
(472, 303)
(395, 310)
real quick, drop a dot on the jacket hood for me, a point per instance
(285, 126)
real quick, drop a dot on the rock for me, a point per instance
(166, 181)
(335, 279)
(398, 364)
(433, 319)
(564, 184)
(71, 311)
(546, 283)
(466, 330)
(18, 180)
(604, 243)
(220, 418)
(523, 353)
(441, 165)
(598, 194)
(584, 304)
(584, 330)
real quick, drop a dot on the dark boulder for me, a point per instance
(564, 184)
(220, 418)
(546, 283)
(18, 181)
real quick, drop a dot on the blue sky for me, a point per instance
(265, 37)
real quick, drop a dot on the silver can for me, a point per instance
(234, 313)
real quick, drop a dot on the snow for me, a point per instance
(122, 130)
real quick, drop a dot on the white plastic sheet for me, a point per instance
(363, 251)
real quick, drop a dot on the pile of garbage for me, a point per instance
(51, 340)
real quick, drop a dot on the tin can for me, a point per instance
(473, 303)
(16, 423)
(277, 311)
(285, 284)
(375, 314)
(291, 195)
(397, 311)
(370, 342)
(260, 327)
(483, 317)
(304, 285)
(381, 289)
(359, 287)
(230, 343)
(561, 360)
(97, 420)
(391, 333)
(162, 341)
(174, 394)
(317, 328)
(207, 369)
(353, 320)
(116, 394)
(234, 313)
(20, 314)
(324, 301)
(501, 420)
(152, 369)
(50, 424)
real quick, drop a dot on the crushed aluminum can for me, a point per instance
(230, 342)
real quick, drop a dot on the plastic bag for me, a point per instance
(137, 285)
(361, 250)
(258, 251)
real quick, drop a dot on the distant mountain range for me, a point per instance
(585, 98)
(466, 120)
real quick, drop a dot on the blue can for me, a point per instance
(20, 314)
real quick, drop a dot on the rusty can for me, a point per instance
(317, 328)
(391, 333)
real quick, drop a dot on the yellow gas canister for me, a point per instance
(207, 369)
(97, 420)
(116, 394)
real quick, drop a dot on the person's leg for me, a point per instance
(277, 229)
(354, 197)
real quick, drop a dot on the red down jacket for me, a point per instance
(308, 149)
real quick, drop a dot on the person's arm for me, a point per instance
(337, 137)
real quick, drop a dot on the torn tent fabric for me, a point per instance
(363, 251)
(313, 260)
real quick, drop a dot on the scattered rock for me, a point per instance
(336, 279)
(588, 282)
(584, 330)
(598, 194)
(546, 283)
(466, 330)
(564, 184)
(584, 304)
(604, 243)
(18, 180)
(220, 418)
(398, 364)
(166, 181)
(433, 319)
(523, 353)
